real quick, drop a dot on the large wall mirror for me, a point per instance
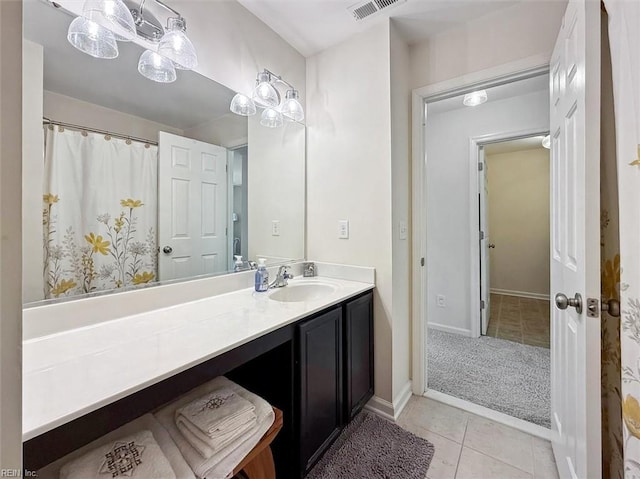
(128, 182)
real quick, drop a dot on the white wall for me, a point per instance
(276, 179)
(357, 164)
(229, 130)
(519, 224)
(10, 234)
(33, 165)
(448, 170)
(78, 112)
(524, 30)
(400, 214)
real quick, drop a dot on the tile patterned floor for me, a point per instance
(472, 447)
(523, 320)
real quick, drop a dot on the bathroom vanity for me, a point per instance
(309, 353)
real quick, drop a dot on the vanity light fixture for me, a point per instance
(271, 118)
(546, 142)
(104, 22)
(266, 95)
(176, 46)
(113, 15)
(92, 39)
(475, 98)
(242, 105)
(291, 107)
(156, 67)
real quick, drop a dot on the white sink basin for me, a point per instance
(300, 292)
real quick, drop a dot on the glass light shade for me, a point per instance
(113, 15)
(242, 105)
(265, 94)
(156, 67)
(475, 98)
(291, 107)
(271, 118)
(546, 142)
(176, 46)
(92, 39)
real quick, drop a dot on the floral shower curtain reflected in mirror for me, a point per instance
(99, 213)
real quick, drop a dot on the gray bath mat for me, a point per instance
(502, 375)
(373, 448)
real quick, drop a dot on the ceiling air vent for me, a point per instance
(361, 11)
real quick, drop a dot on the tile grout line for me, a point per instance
(464, 437)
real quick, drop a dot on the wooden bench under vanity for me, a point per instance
(312, 360)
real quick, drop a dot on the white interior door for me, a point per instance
(575, 245)
(485, 263)
(192, 205)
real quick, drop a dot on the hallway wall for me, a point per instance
(518, 210)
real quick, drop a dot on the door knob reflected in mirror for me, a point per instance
(167, 250)
(612, 307)
(562, 302)
(491, 245)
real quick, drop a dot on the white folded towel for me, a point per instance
(218, 412)
(146, 422)
(206, 445)
(136, 456)
(221, 464)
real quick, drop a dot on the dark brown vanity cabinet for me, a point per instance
(358, 345)
(335, 364)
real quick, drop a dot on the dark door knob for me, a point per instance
(167, 250)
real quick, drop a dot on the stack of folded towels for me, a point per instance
(141, 449)
(216, 425)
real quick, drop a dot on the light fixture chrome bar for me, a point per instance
(47, 121)
(279, 78)
(162, 4)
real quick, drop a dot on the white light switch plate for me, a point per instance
(275, 228)
(403, 230)
(343, 229)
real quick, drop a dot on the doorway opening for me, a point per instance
(514, 225)
(487, 187)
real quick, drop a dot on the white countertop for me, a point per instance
(71, 373)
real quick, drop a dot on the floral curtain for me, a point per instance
(624, 37)
(99, 213)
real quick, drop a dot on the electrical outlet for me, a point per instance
(441, 301)
(275, 228)
(403, 230)
(343, 229)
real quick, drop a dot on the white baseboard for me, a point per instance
(522, 294)
(450, 329)
(496, 416)
(387, 410)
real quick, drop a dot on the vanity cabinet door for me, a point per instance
(358, 340)
(320, 365)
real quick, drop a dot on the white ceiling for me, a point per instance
(511, 146)
(311, 26)
(191, 100)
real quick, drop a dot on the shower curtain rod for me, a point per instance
(47, 121)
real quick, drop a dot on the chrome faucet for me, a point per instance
(282, 277)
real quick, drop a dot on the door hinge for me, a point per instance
(226, 231)
(482, 304)
(481, 235)
(421, 261)
(480, 166)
